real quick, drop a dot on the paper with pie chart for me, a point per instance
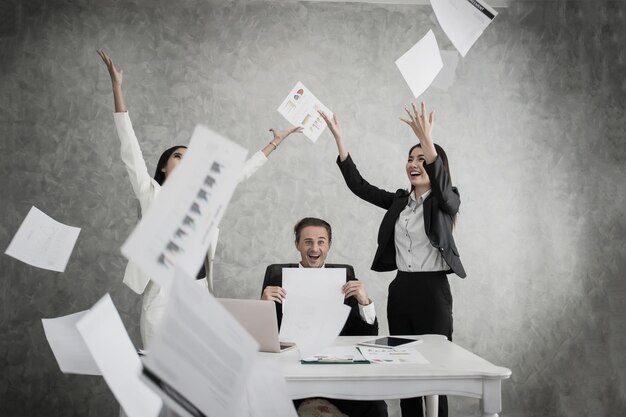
(300, 109)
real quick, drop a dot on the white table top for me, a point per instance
(451, 370)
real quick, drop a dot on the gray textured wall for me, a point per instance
(534, 127)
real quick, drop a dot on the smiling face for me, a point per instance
(313, 245)
(415, 170)
(173, 161)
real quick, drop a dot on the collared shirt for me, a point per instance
(414, 252)
(367, 313)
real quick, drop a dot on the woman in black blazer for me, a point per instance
(415, 237)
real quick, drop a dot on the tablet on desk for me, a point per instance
(389, 342)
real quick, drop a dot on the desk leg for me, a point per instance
(492, 401)
(432, 405)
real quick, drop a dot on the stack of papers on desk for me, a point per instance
(391, 356)
(337, 354)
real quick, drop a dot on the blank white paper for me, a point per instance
(421, 64)
(201, 352)
(43, 242)
(447, 75)
(313, 325)
(323, 284)
(463, 20)
(105, 336)
(68, 346)
(300, 109)
(178, 228)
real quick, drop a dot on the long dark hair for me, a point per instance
(159, 175)
(444, 159)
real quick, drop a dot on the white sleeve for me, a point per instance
(368, 313)
(252, 165)
(144, 186)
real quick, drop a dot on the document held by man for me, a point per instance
(313, 310)
(200, 358)
(177, 229)
(105, 336)
(463, 20)
(68, 346)
(421, 64)
(43, 242)
(300, 108)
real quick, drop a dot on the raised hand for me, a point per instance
(333, 125)
(116, 81)
(335, 129)
(422, 125)
(116, 74)
(280, 135)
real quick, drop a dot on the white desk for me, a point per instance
(452, 371)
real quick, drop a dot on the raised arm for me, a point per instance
(116, 81)
(335, 129)
(422, 126)
(259, 158)
(279, 136)
(440, 183)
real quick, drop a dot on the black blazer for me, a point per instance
(355, 325)
(439, 207)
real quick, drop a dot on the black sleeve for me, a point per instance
(274, 277)
(361, 188)
(441, 186)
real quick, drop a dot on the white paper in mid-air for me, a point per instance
(447, 75)
(200, 358)
(43, 242)
(266, 392)
(421, 64)
(300, 108)
(68, 347)
(178, 228)
(463, 21)
(105, 336)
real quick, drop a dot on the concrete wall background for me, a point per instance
(534, 126)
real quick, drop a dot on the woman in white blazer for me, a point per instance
(146, 189)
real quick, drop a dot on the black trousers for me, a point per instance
(420, 303)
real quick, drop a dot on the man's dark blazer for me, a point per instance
(355, 325)
(439, 207)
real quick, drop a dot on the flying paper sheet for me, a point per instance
(178, 227)
(200, 358)
(105, 336)
(300, 109)
(68, 346)
(421, 64)
(447, 75)
(43, 242)
(463, 20)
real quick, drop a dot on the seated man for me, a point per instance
(313, 240)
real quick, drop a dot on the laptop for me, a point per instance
(258, 317)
